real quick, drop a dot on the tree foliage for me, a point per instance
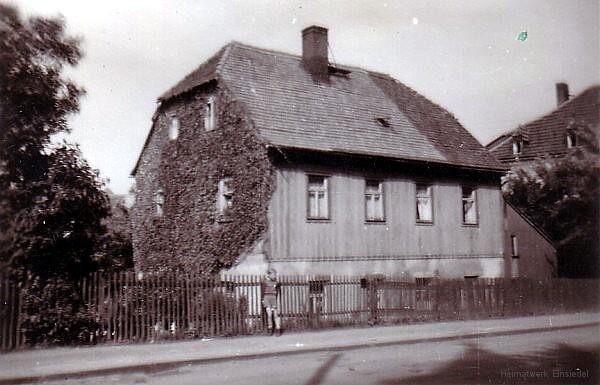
(51, 202)
(52, 206)
(561, 195)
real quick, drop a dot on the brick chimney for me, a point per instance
(314, 52)
(562, 93)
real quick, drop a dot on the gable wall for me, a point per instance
(536, 255)
(190, 234)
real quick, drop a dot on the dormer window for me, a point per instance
(571, 139)
(173, 128)
(209, 114)
(517, 146)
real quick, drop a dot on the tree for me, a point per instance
(561, 196)
(52, 207)
(51, 202)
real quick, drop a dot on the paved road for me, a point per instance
(516, 359)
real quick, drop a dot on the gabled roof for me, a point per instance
(357, 112)
(547, 135)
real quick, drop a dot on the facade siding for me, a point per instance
(445, 247)
(536, 256)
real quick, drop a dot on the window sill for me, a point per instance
(318, 220)
(424, 223)
(470, 224)
(375, 222)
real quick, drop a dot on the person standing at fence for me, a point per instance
(271, 289)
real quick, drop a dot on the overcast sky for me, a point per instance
(464, 55)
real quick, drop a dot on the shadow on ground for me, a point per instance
(560, 364)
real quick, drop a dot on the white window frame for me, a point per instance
(224, 196)
(159, 202)
(428, 195)
(174, 127)
(374, 212)
(317, 194)
(210, 114)
(467, 199)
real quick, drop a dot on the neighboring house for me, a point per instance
(262, 158)
(554, 134)
(530, 253)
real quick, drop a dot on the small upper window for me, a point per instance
(159, 202)
(374, 201)
(209, 114)
(469, 205)
(514, 246)
(424, 203)
(173, 128)
(225, 196)
(517, 146)
(318, 197)
(571, 139)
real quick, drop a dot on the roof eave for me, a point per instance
(499, 170)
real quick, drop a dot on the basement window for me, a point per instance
(225, 196)
(318, 197)
(173, 128)
(209, 114)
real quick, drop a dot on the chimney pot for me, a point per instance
(562, 93)
(314, 52)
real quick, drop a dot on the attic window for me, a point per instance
(173, 128)
(517, 146)
(383, 122)
(159, 202)
(209, 114)
(571, 139)
(338, 71)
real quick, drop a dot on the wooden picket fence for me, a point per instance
(10, 306)
(131, 308)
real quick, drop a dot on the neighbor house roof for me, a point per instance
(547, 135)
(356, 112)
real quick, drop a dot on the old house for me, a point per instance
(263, 158)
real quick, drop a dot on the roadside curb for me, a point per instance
(154, 367)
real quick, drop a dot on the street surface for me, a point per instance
(559, 357)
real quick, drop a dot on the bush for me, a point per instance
(55, 314)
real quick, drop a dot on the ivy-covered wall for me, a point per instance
(190, 234)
